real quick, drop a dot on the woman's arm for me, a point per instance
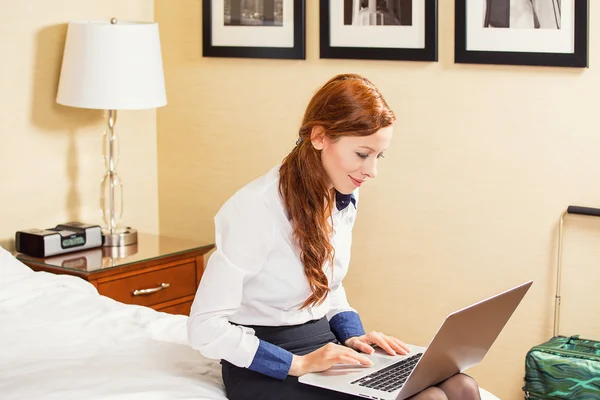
(244, 229)
(343, 319)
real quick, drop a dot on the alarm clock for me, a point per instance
(64, 238)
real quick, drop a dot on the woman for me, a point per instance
(271, 304)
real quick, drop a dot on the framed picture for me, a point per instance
(379, 29)
(522, 32)
(254, 28)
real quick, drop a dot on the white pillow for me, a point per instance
(10, 267)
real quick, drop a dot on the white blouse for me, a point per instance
(255, 276)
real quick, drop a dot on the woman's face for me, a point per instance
(351, 160)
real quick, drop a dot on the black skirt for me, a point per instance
(245, 384)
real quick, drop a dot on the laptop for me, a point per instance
(461, 342)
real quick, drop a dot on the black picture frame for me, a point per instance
(578, 59)
(428, 53)
(297, 52)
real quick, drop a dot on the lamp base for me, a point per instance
(121, 237)
(118, 253)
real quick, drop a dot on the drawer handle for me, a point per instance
(142, 292)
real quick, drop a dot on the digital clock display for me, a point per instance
(70, 242)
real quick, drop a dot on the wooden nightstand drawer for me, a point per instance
(153, 287)
(181, 308)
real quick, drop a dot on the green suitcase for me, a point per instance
(564, 367)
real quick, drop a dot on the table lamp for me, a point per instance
(112, 65)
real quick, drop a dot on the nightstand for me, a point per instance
(159, 272)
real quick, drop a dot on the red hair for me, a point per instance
(347, 105)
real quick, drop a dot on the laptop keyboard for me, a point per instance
(391, 377)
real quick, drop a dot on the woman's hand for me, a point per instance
(390, 344)
(326, 357)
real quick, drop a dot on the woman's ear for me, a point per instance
(317, 137)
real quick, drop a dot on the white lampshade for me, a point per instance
(112, 66)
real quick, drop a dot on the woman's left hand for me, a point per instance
(390, 344)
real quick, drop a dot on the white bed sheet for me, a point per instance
(59, 339)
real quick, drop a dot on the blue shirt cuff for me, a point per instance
(271, 360)
(345, 325)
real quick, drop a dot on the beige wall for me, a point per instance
(484, 160)
(51, 156)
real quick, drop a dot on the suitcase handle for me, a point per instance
(585, 211)
(592, 212)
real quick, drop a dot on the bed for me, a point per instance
(60, 339)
